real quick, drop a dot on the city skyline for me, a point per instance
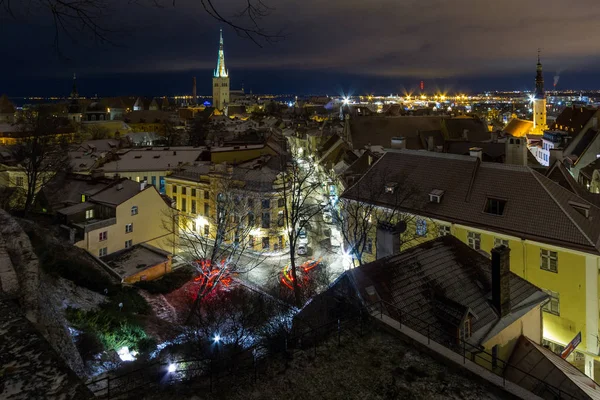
(490, 47)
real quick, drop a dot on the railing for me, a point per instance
(206, 373)
(468, 351)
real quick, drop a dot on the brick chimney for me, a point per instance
(501, 280)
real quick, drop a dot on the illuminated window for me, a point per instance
(553, 305)
(102, 236)
(134, 210)
(474, 240)
(83, 198)
(421, 227)
(280, 218)
(128, 228)
(500, 242)
(549, 260)
(89, 214)
(444, 230)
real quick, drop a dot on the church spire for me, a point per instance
(74, 93)
(539, 79)
(221, 72)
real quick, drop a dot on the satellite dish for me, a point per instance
(401, 227)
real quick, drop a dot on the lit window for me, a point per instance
(421, 227)
(102, 252)
(553, 305)
(83, 198)
(128, 243)
(280, 218)
(549, 260)
(89, 214)
(128, 228)
(474, 240)
(444, 230)
(134, 210)
(495, 206)
(500, 242)
(102, 236)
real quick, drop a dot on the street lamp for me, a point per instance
(172, 368)
(217, 338)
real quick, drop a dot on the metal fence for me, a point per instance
(468, 351)
(207, 373)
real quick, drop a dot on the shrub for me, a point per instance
(79, 272)
(169, 282)
(133, 302)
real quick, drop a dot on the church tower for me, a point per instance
(74, 109)
(220, 80)
(539, 101)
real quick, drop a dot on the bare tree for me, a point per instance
(170, 132)
(77, 19)
(96, 132)
(219, 243)
(299, 190)
(42, 151)
(360, 215)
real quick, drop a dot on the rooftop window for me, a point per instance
(495, 206)
(390, 187)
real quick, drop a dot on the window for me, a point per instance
(183, 190)
(553, 305)
(206, 230)
(495, 206)
(466, 329)
(266, 220)
(421, 227)
(161, 187)
(20, 182)
(369, 246)
(548, 260)
(444, 230)
(154, 181)
(134, 210)
(174, 188)
(89, 214)
(193, 192)
(128, 228)
(474, 240)
(83, 198)
(280, 218)
(500, 242)
(265, 243)
(266, 204)
(251, 241)
(206, 195)
(193, 206)
(128, 243)
(102, 252)
(175, 201)
(206, 209)
(184, 204)
(145, 179)
(280, 202)
(103, 236)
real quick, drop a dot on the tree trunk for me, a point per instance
(297, 292)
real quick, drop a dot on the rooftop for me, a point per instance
(135, 259)
(153, 159)
(118, 192)
(545, 212)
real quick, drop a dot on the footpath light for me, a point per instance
(217, 338)
(171, 368)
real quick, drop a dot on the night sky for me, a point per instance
(330, 47)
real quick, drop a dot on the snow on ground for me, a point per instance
(161, 307)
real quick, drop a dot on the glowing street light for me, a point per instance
(172, 368)
(217, 338)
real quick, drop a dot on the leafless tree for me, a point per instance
(77, 19)
(360, 215)
(170, 132)
(95, 132)
(42, 151)
(300, 190)
(218, 243)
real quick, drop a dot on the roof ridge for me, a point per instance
(563, 209)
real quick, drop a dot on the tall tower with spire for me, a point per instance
(539, 101)
(220, 80)
(74, 109)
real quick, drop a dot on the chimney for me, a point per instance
(142, 185)
(388, 238)
(501, 280)
(119, 187)
(476, 152)
(555, 155)
(194, 97)
(398, 142)
(516, 151)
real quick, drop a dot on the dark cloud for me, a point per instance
(380, 39)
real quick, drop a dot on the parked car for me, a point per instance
(302, 249)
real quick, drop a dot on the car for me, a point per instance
(302, 249)
(302, 234)
(327, 217)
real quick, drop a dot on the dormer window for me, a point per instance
(465, 331)
(494, 206)
(390, 187)
(436, 196)
(582, 209)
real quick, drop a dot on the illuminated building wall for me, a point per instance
(220, 80)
